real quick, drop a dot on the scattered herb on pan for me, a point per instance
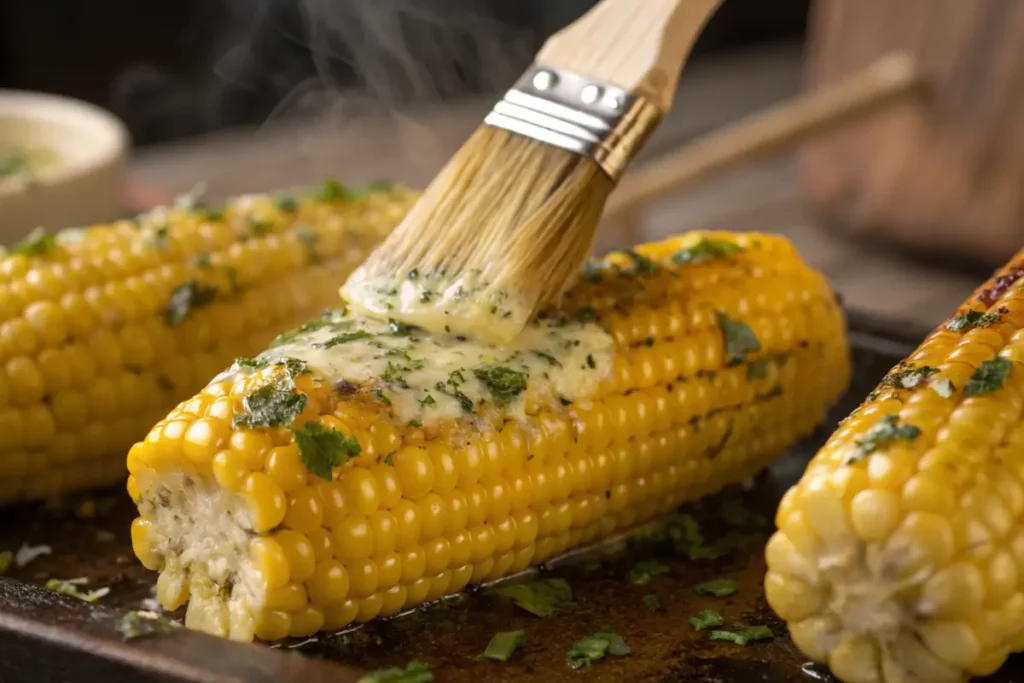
(882, 432)
(652, 603)
(904, 377)
(990, 376)
(273, 405)
(414, 672)
(502, 645)
(185, 299)
(343, 339)
(643, 573)
(943, 387)
(6, 560)
(143, 624)
(742, 635)
(596, 646)
(321, 449)
(972, 319)
(73, 588)
(706, 250)
(542, 597)
(504, 383)
(30, 553)
(738, 337)
(708, 618)
(716, 588)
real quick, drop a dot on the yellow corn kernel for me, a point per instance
(411, 505)
(912, 572)
(113, 324)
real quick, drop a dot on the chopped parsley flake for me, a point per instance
(907, 378)
(717, 588)
(30, 553)
(652, 603)
(308, 237)
(143, 624)
(590, 361)
(36, 243)
(258, 226)
(321, 449)
(972, 319)
(160, 239)
(708, 618)
(990, 376)
(547, 357)
(185, 299)
(330, 190)
(542, 597)
(6, 560)
(885, 430)
(641, 264)
(72, 587)
(400, 329)
(389, 459)
(286, 204)
(414, 672)
(758, 368)
(326, 320)
(428, 400)
(273, 405)
(644, 572)
(202, 261)
(502, 645)
(743, 634)
(344, 338)
(504, 383)
(706, 250)
(596, 646)
(738, 337)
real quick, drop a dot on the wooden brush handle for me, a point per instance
(638, 45)
(894, 78)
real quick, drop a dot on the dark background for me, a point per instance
(175, 68)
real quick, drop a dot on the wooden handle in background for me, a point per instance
(892, 79)
(638, 45)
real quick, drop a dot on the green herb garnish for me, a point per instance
(36, 243)
(258, 226)
(160, 240)
(185, 299)
(202, 261)
(596, 646)
(907, 378)
(743, 634)
(972, 319)
(6, 560)
(706, 250)
(586, 314)
(652, 603)
(641, 264)
(344, 338)
(504, 383)
(326, 320)
(708, 618)
(718, 588)
(990, 376)
(545, 356)
(542, 597)
(738, 337)
(502, 645)
(72, 587)
(885, 430)
(330, 190)
(414, 672)
(273, 405)
(321, 449)
(389, 459)
(400, 329)
(427, 401)
(644, 572)
(143, 624)
(286, 204)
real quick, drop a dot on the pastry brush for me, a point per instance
(506, 225)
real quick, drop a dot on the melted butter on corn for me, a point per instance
(427, 378)
(709, 362)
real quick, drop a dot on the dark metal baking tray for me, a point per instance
(49, 637)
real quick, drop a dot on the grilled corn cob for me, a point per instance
(357, 468)
(103, 330)
(900, 554)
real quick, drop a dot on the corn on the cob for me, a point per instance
(104, 329)
(358, 468)
(900, 554)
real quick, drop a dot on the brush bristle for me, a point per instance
(500, 232)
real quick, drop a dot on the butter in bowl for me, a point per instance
(61, 163)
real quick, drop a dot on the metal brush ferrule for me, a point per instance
(579, 114)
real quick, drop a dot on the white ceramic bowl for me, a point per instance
(83, 185)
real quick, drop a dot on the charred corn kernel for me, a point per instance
(108, 327)
(379, 467)
(898, 556)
